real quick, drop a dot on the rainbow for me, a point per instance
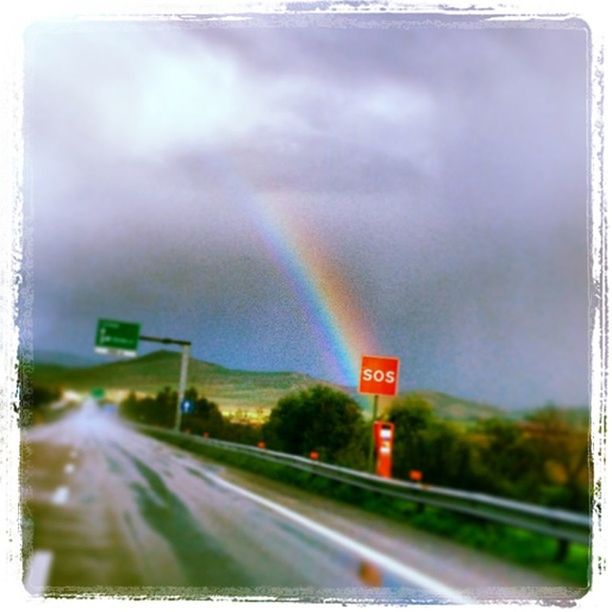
(341, 331)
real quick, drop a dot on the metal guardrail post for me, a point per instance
(562, 550)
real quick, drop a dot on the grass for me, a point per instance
(522, 547)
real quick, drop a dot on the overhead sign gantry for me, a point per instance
(122, 338)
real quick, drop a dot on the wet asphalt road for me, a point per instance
(109, 510)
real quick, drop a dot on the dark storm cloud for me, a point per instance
(444, 169)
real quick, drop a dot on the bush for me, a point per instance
(159, 410)
(318, 419)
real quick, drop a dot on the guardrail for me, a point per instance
(563, 525)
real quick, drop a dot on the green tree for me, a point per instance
(164, 408)
(563, 448)
(129, 407)
(412, 416)
(35, 405)
(424, 442)
(205, 417)
(317, 419)
(508, 465)
(159, 410)
(244, 433)
(42, 396)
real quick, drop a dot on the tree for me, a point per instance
(508, 465)
(35, 404)
(425, 442)
(243, 433)
(42, 396)
(129, 407)
(164, 408)
(317, 419)
(159, 410)
(412, 415)
(205, 417)
(564, 450)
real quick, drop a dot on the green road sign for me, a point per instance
(98, 393)
(117, 337)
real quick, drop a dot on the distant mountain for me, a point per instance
(458, 409)
(577, 416)
(231, 389)
(469, 412)
(253, 393)
(65, 359)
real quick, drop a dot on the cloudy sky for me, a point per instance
(185, 175)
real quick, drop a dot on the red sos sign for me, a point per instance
(379, 375)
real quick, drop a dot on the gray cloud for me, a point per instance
(443, 170)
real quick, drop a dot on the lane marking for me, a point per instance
(382, 560)
(37, 575)
(60, 496)
(69, 468)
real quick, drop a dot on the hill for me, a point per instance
(578, 417)
(470, 412)
(449, 407)
(69, 360)
(458, 409)
(232, 390)
(252, 393)
(248, 392)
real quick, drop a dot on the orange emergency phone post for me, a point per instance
(383, 440)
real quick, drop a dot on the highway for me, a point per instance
(110, 510)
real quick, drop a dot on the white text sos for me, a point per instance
(378, 376)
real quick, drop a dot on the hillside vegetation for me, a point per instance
(246, 394)
(233, 390)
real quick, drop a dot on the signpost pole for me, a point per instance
(121, 338)
(182, 384)
(371, 453)
(378, 376)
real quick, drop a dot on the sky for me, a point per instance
(290, 193)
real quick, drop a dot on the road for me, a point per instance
(109, 510)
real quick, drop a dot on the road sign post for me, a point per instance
(185, 354)
(373, 435)
(378, 376)
(182, 384)
(122, 338)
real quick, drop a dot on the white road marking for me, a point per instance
(69, 468)
(384, 561)
(60, 496)
(37, 575)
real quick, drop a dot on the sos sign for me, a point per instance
(379, 375)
